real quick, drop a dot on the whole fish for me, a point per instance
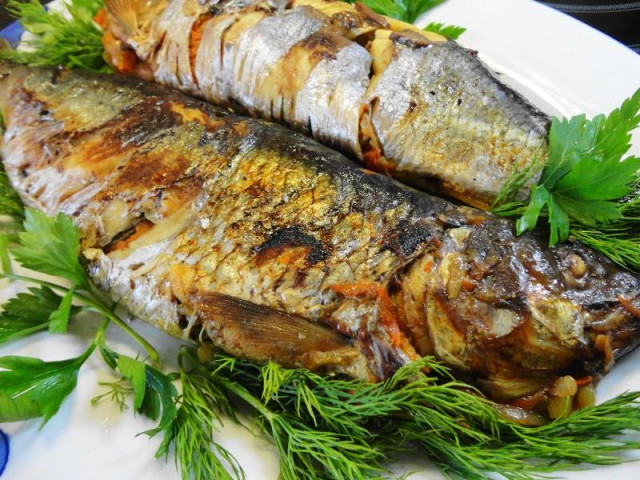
(405, 102)
(224, 229)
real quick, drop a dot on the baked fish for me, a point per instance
(224, 229)
(405, 102)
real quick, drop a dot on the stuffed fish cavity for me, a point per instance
(235, 231)
(404, 102)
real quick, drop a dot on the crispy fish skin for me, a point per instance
(235, 231)
(408, 103)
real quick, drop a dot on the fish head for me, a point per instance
(515, 315)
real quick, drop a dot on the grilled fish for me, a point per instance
(239, 232)
(404, 102)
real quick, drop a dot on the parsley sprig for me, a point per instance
(588, 190)
(452, 32)
(30, 387)
(405, 10)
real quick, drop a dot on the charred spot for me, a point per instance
(255, 190)
(215, 10)
(346, 20)
(292, 237)
(320, 44)
(412, 106)
(57, 73)
(183, 323)
(459, 102)
(204, 139)
(406, 238)
(410, 39)
(602, 306)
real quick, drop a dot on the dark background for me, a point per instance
(618, 18)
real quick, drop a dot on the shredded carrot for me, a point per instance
(194, 40)
(603, 344)
(124, 60)
(387, 311)
(468, 285)
(530, 401)
(140, 229)
(101, 18)
(629, 307)
(581, 382)
(357, 290)
(428, 266)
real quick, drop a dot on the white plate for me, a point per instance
(560, 64)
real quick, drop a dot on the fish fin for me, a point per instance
(125, 13)
(261, 333)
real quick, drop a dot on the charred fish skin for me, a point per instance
(407, 103)
(239, 232)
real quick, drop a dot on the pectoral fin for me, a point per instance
(262, 333)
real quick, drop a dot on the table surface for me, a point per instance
(619, 19)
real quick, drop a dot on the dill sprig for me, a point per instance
(465, 434)
(118, 392)
(74, 41)
(190, 436)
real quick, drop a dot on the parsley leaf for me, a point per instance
(27, 313)
(160, 398)
(51, 246)
(405, 10)
(31, 388)
(450, 31)
(59, 318)
(586, 182)
(10, 203)
(154, 392)
(134, 371)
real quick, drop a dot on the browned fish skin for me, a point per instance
(404, 102)
(236, 231)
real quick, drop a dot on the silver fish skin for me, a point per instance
(404, 102)
(241, 233)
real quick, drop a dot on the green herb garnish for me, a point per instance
(405, 10)
(452, 32)
(75, 42)
(321, 427)
(587, 190)
(31, 388)
(191, 433)
(28, 313)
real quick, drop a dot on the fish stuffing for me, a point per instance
(238, 232)
(405, 102)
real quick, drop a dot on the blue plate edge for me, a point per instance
(4, 451)
(12, 33)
